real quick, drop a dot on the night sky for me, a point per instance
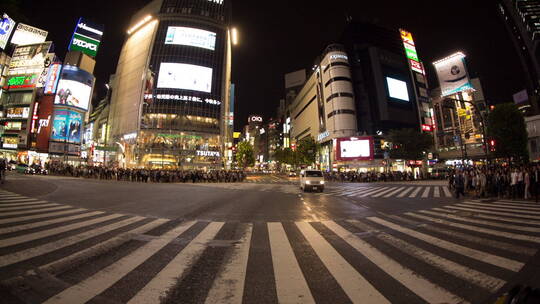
(277, 37)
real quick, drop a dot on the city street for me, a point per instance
(74, 240)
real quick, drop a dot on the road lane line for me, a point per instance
(291, 286)
(357, 288)
(394, 192)
(426, 192)
(165, 279)
(509, 235)
(504, 214)
(38, 216)
(2, 210)
(228, 286)
(49, 222)
(18, 256)
(50, 232)
(417, 284)
(416, 191)
(103, 279)
(469, 252)
(407, 190)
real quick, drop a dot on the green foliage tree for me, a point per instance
(306, 150)
(506, 126)
(409, 144)
(244, 155)
(286, 156)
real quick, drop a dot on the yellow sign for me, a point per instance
(236, 134)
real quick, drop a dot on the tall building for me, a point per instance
(522, 20)
(170, 107)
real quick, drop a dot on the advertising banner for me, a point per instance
(17, 112)
(67, 126)
(30, 59)
(74, 88)
(6, 27)
(185, 76)
(355, 148)
(191, 37)
(452, 74)
(26, 34)
(86, 37)
(53, 76)
(21, 82)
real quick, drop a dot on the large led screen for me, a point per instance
(74, 88)
(67, 126)
(355, 148)
(397, 89)
(191, 37)
(185, 77)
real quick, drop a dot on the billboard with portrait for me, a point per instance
(30, 59)
(355, 148)
(67, 126)
(452, 74)
(74, 88)
(191, 37)
(6, 27)
(185, 76)
(26, 34)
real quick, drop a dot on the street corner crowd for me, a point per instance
(146, 175)
(367, 177)
(501, 182)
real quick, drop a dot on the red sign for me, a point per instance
(427, 128)
(355, 148)
(44, 123)
(416, 66)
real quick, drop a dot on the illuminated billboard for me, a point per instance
(74, 88)
(53, 76)
(21, 82)
(29, 59)
(354, 148)
(26, 34)
(452, 74)
(191, 37)
(397, 89)
(17, 112)
(67, 126)
(185, 77)
(86, 37)
(410, 52)
(6, 27)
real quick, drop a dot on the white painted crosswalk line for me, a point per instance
(431, 293)
(469, 252)
(52, 246)
(481, 207)
(228, 287)
(38, 216)
(394, 192)
(357, 288)
(472, 209)
(356, 192)
(447, 192)
(517, 205)
(513, 208)
(416, 191)
(35, 203)
(375, 191)
(291, 286)
(498, 218)
(54, 231)
(19, 200)
(49, 222)
(2, 210)
(426, 192)
(158, 286)
(407, 190)
(35, 210)
(382, 192)
(480, 229)
(436, 192)
(97, 283)
(351, 191)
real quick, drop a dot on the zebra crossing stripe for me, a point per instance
(416, 191)
(518, 205)
(291, 286)
(373, 192)
(36, 203)
(480, 229)
(357, 288)
(394, 192)
(436, 192)
(50, 232)
(472, 209)
(447, 192)
(61, 243)
(484, 207)
(38, 216)
(229, 283)
(49, 222)
(469, 252)
(18, 200)
(516, 208)
(35, 210)
(417, 284)
(355, 193)
(158, 286)
(382, 192)
(426, 192)
(2, 210)
(407, 190)
(498, 218)
(97, 283)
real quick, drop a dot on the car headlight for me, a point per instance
(321, 182)
(308, 182)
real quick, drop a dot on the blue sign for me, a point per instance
(6, 27)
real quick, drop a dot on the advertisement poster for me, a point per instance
(67, 126)
(86, 37)
(191, 37)
(29, 59)
(185, 76)
(26, 34)
(355, 148)
(6, 27)
(74, 88)
(452, 74)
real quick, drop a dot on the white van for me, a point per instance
(311, 180)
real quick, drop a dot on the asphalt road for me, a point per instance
(69, 240)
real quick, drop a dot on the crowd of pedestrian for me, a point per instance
(143, 175)
(366, 177)
(502, 182)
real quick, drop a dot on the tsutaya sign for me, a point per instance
(208, 153)
(86, 37)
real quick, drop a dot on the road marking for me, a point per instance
(50, 232)
(426, 192)
(498, 218)
(49, 222)
(357, 288)
(469, 252)
(407, 190)
(99, 282)
(513, 208)
(158, 286)
(383, 192)
(61, 243)
(373, 192)
(436, 192)
(228, 286)
(431, 293)
(38, 216)
(291, 286)
(416, 191)
(36, 203)
(447, 192)
(466, 204)
(517, 205)
(394, 192)
(472, 209)
(2, 210)
(18, 200)
(35, 210)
